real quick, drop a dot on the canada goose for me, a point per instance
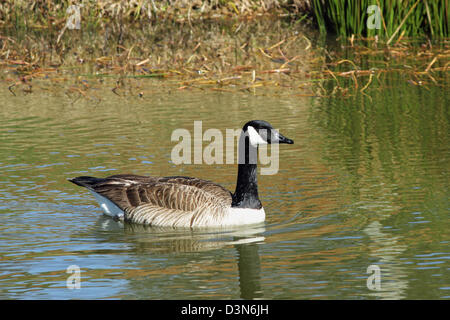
(189, 202)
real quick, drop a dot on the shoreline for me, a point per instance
(236, 54)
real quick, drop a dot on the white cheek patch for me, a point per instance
(255, 138)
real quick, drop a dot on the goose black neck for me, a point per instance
(246, 194)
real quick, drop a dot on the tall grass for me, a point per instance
(401, 17)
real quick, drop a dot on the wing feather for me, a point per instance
(165, 201)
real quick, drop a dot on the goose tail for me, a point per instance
(108, 206)
(87, 182)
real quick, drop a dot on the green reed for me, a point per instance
(398, 17)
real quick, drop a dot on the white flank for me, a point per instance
(235, 216)
(108, 207)
(240, 216)
(254, 136)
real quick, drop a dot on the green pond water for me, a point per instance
(364, 185)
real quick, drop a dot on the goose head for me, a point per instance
(262, 132)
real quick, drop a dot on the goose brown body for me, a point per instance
(163, 201)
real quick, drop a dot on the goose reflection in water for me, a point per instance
(245, 240)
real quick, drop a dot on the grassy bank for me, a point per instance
(239, 46)
(225, 56)
(51, 14)
(385, 18)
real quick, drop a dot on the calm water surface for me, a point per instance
(366, 183)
